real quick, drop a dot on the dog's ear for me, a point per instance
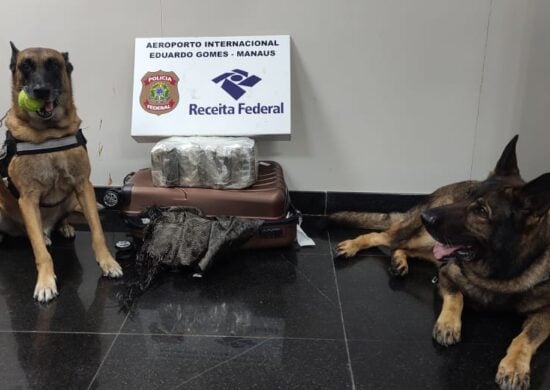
(535, 195)
(68, 65)
(507, 164)
(14, 53)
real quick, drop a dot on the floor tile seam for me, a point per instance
(330, 254)
(63, 332)
(313, 215)
(66, 332)
(313, 254)
(196, 335)
(428, 341)
(363, 257)
(179, 386)
(310, 282)
(346, 344)
(213, 336)
(108, 351)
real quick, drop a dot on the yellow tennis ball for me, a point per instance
(27, 103)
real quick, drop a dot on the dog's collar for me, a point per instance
(14, 147)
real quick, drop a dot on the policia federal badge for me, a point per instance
(159, 92)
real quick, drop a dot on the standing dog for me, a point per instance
(49, 172)
(493, 247)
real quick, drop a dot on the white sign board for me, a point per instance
(234, 86)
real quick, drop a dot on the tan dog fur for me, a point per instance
(51, 177)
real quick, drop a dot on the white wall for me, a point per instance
(535, 114)
(388, 95)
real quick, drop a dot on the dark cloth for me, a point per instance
(180, 236)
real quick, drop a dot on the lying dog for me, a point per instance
(46, 164)
(403, 233)
(498, 244)
(496, 252)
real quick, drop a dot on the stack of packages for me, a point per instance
(209, 162)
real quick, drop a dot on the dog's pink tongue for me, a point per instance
(440, 250)
(48, 106)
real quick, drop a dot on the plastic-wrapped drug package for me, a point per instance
(209, 162)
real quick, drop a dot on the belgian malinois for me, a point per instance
(45, 186)
(492, 243)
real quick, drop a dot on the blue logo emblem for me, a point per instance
(234, 81)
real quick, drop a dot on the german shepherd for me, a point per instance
(403, 233)
(492, 242)
(49, 185)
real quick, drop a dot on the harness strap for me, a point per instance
(51, 145)
(13, 147)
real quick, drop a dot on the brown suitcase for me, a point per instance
(267, 199)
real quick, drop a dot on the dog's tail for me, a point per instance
(375, 221)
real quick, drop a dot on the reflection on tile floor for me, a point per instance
(273, 319)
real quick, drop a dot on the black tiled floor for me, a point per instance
(177, 362)
(254, 295)
(273, 319)
(88, 302)
(45, 360)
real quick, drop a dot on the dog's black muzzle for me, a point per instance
(459, 247)
(432, 221)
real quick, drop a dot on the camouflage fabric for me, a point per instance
(180, 236)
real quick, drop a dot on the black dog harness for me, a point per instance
(13, 147)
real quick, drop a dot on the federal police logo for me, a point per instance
(159, 92)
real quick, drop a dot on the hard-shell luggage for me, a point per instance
(267, 199)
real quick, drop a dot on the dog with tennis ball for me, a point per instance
(45, 163)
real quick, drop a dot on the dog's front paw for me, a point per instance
(110, 267)
(399, 266)
(513, 373)
(346, 249)
(67, 231)
(46, 289)
(447, 331)
(47, 239)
